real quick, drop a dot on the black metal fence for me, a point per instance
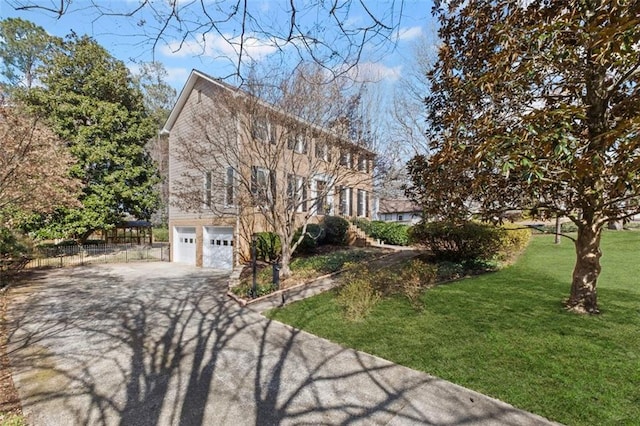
(60, 256)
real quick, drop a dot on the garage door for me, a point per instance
(184, 245)
(217, 248)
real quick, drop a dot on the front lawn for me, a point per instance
(505, 334)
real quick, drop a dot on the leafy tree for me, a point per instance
(536, 105)
(23, 48)
(91, 102)
(34, 167)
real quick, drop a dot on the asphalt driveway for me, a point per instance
(158, 343)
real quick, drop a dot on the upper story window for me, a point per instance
(323, 151)
(298, 143)
(363, 163)
(262, 130)
(345, 158)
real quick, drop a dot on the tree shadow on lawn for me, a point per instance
(94, 346)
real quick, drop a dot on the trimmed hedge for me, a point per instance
(469, 241)
(396, 234)
(335, 228)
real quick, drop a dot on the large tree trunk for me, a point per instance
(285, 270)
(584, 298)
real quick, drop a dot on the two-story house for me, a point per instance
(239, 165)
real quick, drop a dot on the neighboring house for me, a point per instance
(400, 210)
(238, 166)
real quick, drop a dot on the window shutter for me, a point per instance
(230, 187)
(254, 180)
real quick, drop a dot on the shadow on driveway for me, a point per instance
(157, 343)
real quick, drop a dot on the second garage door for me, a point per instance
(217, 247)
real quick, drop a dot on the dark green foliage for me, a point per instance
(388, 232)
(89, 100)
(11, 245)
(335, 228)
(314, 237)
(268, 247)
(457, 242)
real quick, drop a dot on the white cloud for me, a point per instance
(409, 33)
(177, 75)
(375, 72)
(218, 46)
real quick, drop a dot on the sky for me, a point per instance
(193, 43)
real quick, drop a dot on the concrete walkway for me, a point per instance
(160, 344)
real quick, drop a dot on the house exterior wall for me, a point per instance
(204, 116)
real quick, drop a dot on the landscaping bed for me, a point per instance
(325, 260)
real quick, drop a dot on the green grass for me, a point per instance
(505, 334)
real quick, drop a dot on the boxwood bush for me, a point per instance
(335, 228)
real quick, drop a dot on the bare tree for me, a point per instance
(34, 167)
(409, 128)
(323, 32)
(275, 166)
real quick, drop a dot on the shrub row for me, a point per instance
(333, 230)
(469, 241)
(388, 232)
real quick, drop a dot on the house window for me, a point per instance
(263, 184)
(229, 199)
(297, 143)
(262, 130)
(399, 218)
(345, 201)
(363, 201)
(208, 181)
(362, 164)
(322, 206)
(297, 193)
(345, 158)
(322, 151)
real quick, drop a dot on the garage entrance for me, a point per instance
(217, 247)
(184, 244)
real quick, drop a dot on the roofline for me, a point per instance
(193, 78)
(184, 95)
